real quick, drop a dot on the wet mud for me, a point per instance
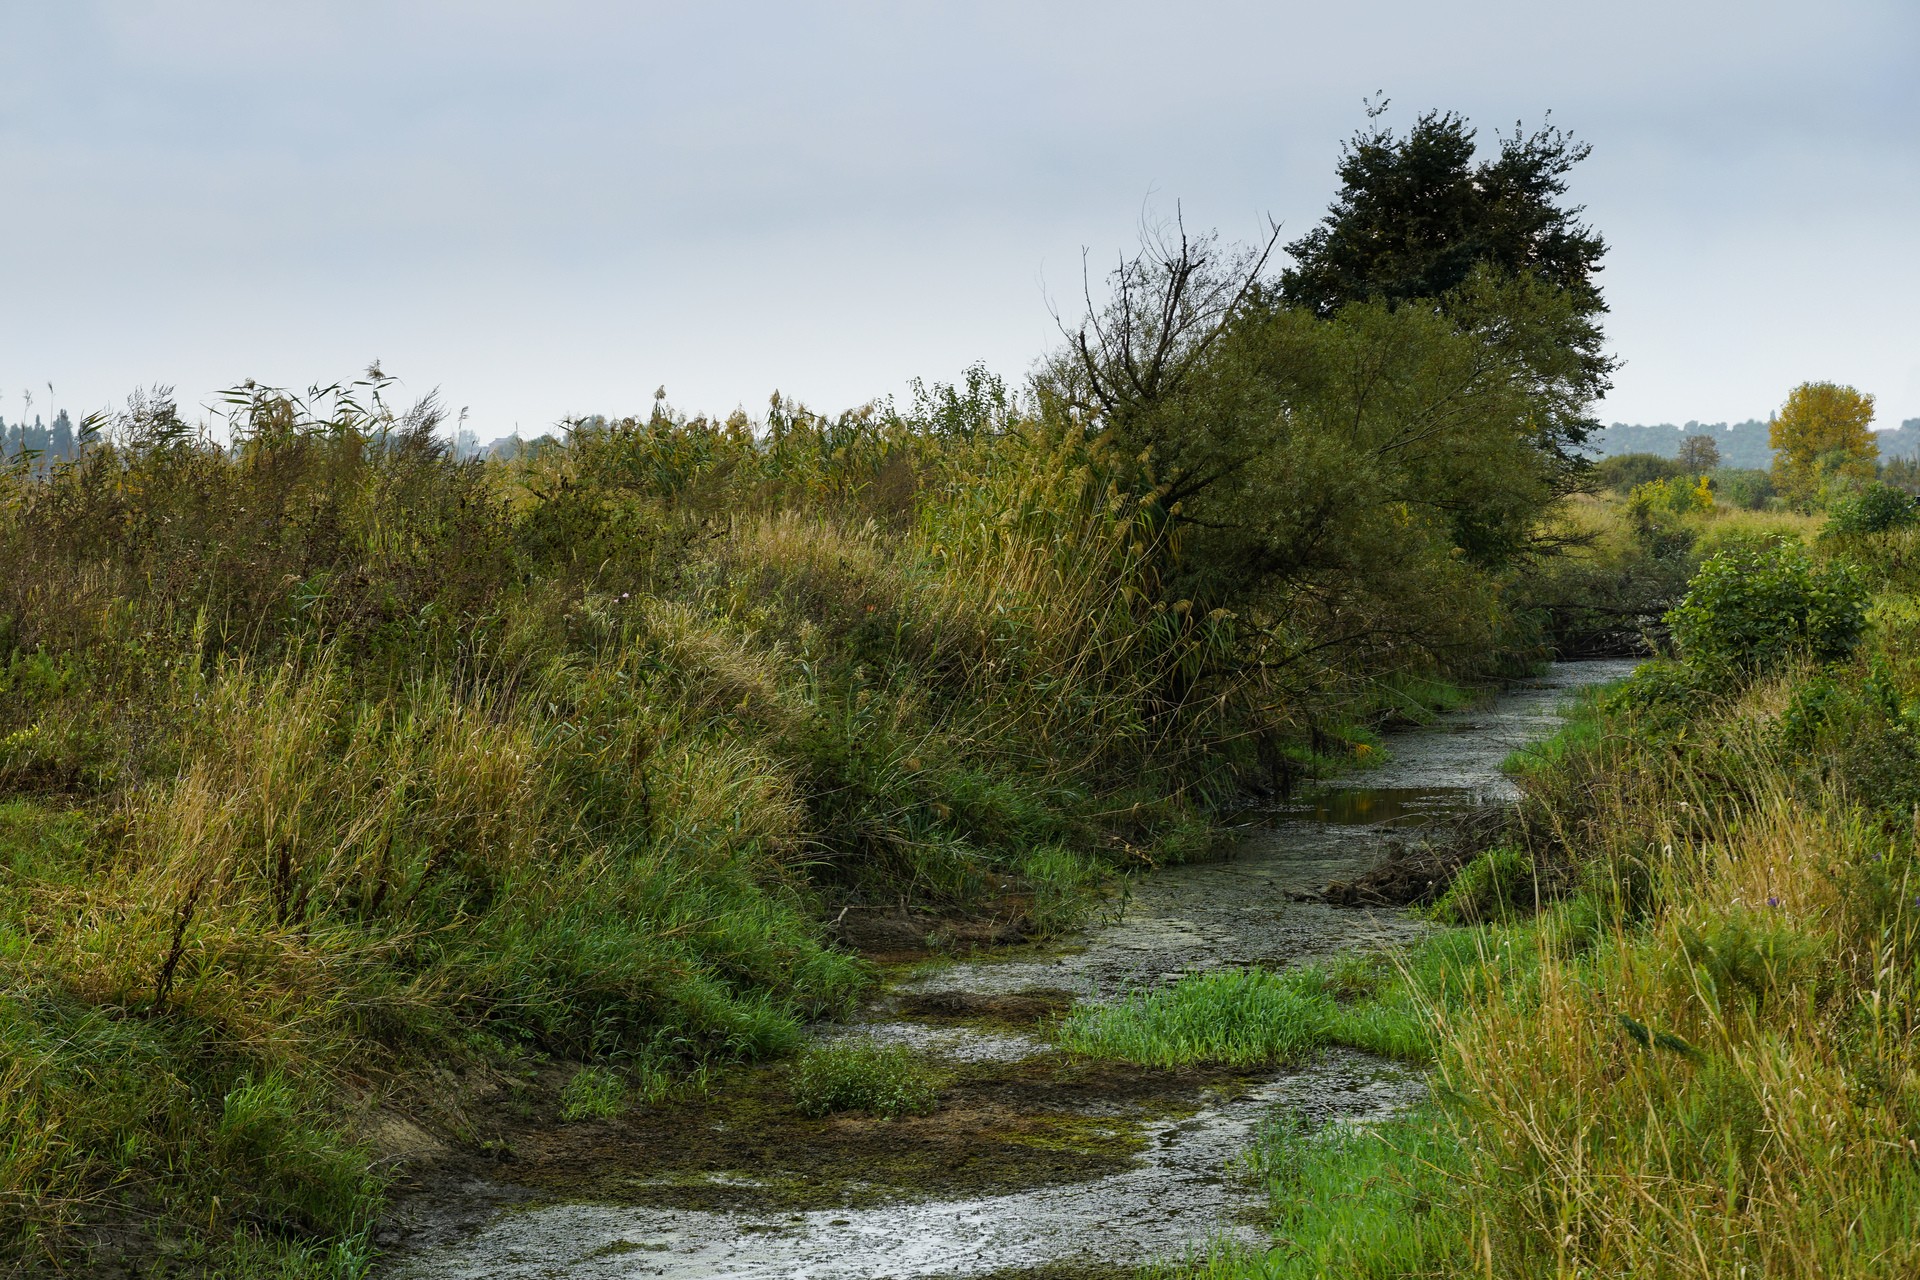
(1033, 1164)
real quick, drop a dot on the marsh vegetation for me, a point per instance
(347, 784)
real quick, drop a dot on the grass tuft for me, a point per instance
(851, 1075)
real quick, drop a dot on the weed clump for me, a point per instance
(1496, 885)
(880, 1079)
(1237, 1017)
(592, 1093)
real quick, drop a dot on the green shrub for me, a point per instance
(1659, 699)
(1625, 472)
(1494, 886)
(1755, 605)
(1743, 955)
(1876, 509)
(1747, 488)
(880, 1079)
(1658, 512)
(1853, 737)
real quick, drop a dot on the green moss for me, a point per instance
(745, 1146)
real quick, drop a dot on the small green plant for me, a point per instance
(594, 1093)
(1062, 883)
(880, 1079)
(1239, 1017)
(1497, 885)
(1755, 605)
(1743, 955)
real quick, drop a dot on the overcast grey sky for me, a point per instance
(551, 208)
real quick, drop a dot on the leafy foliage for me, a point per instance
(1699, 453)
(1823, 431)
(1416, 215)
(1418, 218)
(1875, 509)
(1751, 608)
(1346, 492)
(1658, 512)
(1625, 472)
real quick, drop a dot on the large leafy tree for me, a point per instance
(1360, 468)
(1416, 215)
(1823, 430)
(1426, 217)
(1351, 485)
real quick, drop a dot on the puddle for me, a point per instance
(1032, 1160)
(1379, 806)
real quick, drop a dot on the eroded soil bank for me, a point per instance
(1034, 1163)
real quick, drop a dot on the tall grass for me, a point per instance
(324, 756)
(1702, 1064)
(330, 756)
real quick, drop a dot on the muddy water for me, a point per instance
(1034, 1164)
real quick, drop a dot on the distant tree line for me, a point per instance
(39, 440)
(1741, 444)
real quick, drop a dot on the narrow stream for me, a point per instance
(1032, 1162)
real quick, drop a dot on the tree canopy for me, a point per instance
(1416, 215)
(1822, 431)
(1699, 453)
(1423, 217)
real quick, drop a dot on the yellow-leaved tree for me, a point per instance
(1822, 431)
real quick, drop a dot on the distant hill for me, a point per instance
(1742, 444)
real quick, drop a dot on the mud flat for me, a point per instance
(1034, 1163)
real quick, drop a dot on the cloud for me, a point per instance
(555, 208)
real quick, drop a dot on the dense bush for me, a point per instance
(1658, 513)
(1751, 608)
(1875, 509)
(1745, 488)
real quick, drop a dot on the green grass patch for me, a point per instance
(1257, 1017)
(1237, 1017)
(1583, 719)
(1383, 1004)
(1350, 1202)
(879, 1079)
(1498, 884)
(593, 1093)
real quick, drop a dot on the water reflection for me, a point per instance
(1379, 806)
